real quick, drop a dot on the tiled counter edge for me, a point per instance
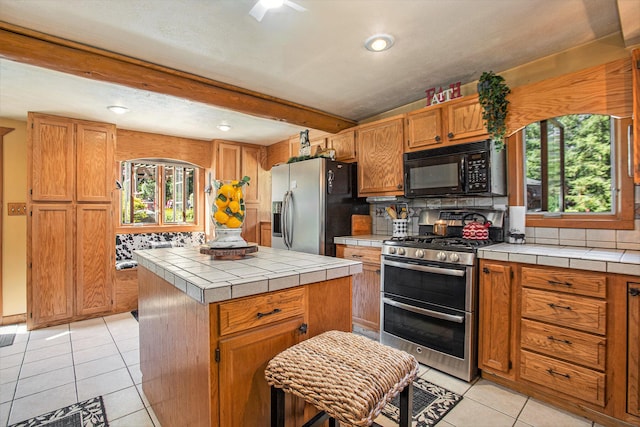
(207, 280)
(594, 259)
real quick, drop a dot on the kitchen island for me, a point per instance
(208, 327)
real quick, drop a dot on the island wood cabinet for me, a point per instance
(453, 122)
(563, 336)
(203, 364)
(379, 147)
(70, 251)
(234, 161)
(366, 285)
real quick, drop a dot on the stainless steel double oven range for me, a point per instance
(429, 291)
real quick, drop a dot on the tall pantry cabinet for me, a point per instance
(71, 249)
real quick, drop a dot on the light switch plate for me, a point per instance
(17, 209)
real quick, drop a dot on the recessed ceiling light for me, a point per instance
(379, 42)
(118, 109)
(224, 127)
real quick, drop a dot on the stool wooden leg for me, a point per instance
(406, 406)
(277, 407)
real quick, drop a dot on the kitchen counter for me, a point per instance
(269, 269)
(361, 240)
(593, 259)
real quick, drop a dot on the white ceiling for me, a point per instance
(314, 58)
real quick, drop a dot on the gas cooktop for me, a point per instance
(432, 241)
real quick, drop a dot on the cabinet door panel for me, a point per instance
(94, 282)
(495, 317)
(345, 146)
(465, 120)
(244, 393)
(424, 129)
(228, 162)
(51, 273)
(633, 392)
(52, 168)
(250, 166)
(380, 149)
(366, 297)
(94, 163)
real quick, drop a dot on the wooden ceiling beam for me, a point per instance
(42, 50)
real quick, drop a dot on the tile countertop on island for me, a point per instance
(207, 280)
(594, 259)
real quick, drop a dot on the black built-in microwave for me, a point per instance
(472, 169)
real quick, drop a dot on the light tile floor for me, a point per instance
(50, 368)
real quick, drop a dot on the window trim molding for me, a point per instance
(623, 219)
(199, 223)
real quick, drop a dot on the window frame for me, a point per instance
(623, 216)
(199, 201)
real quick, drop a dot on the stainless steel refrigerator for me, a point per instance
(312, 202)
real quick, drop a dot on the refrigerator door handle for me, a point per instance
(286, 220)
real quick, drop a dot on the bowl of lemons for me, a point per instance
(228, 213)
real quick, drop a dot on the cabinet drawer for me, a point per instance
(573, 282)
(363, 254)
(578, 347)
(585, 314)
(573, 380)
(247, 313)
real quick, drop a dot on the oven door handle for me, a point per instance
(430, 313)
(426, 268)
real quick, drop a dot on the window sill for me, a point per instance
(580, 221)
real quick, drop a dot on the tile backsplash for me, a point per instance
(581, 237)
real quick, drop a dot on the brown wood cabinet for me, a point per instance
(94, 259)
(570, 337)
(50, 294)
(379, 147)
(496, 318)
(265, 233)
(635, 65)
(633, 350)
(453, 122)
(344, 143)
(71, 249)
(366, 286)
(233, 161)
(203, 364)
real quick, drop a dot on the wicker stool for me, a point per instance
(348, 377)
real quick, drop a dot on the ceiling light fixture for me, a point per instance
(118, 109)
(224, 127)
(379, 42)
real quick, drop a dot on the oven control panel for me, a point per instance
(442, 256)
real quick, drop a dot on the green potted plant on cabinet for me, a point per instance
(492, 94)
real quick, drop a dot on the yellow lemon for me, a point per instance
(238, 195)
(235, 182)
(234, 222)
(227, 190)
(221, 217)
(222, 202)
(234, 206)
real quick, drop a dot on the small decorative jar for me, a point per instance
(228, 213)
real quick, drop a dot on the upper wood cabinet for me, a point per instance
(379, 148)
(635, 65)
(344, 143)
(71, 160)
(464, 119)
(424, 128)
(453, 122)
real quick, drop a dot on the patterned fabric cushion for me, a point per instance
(127, 243)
